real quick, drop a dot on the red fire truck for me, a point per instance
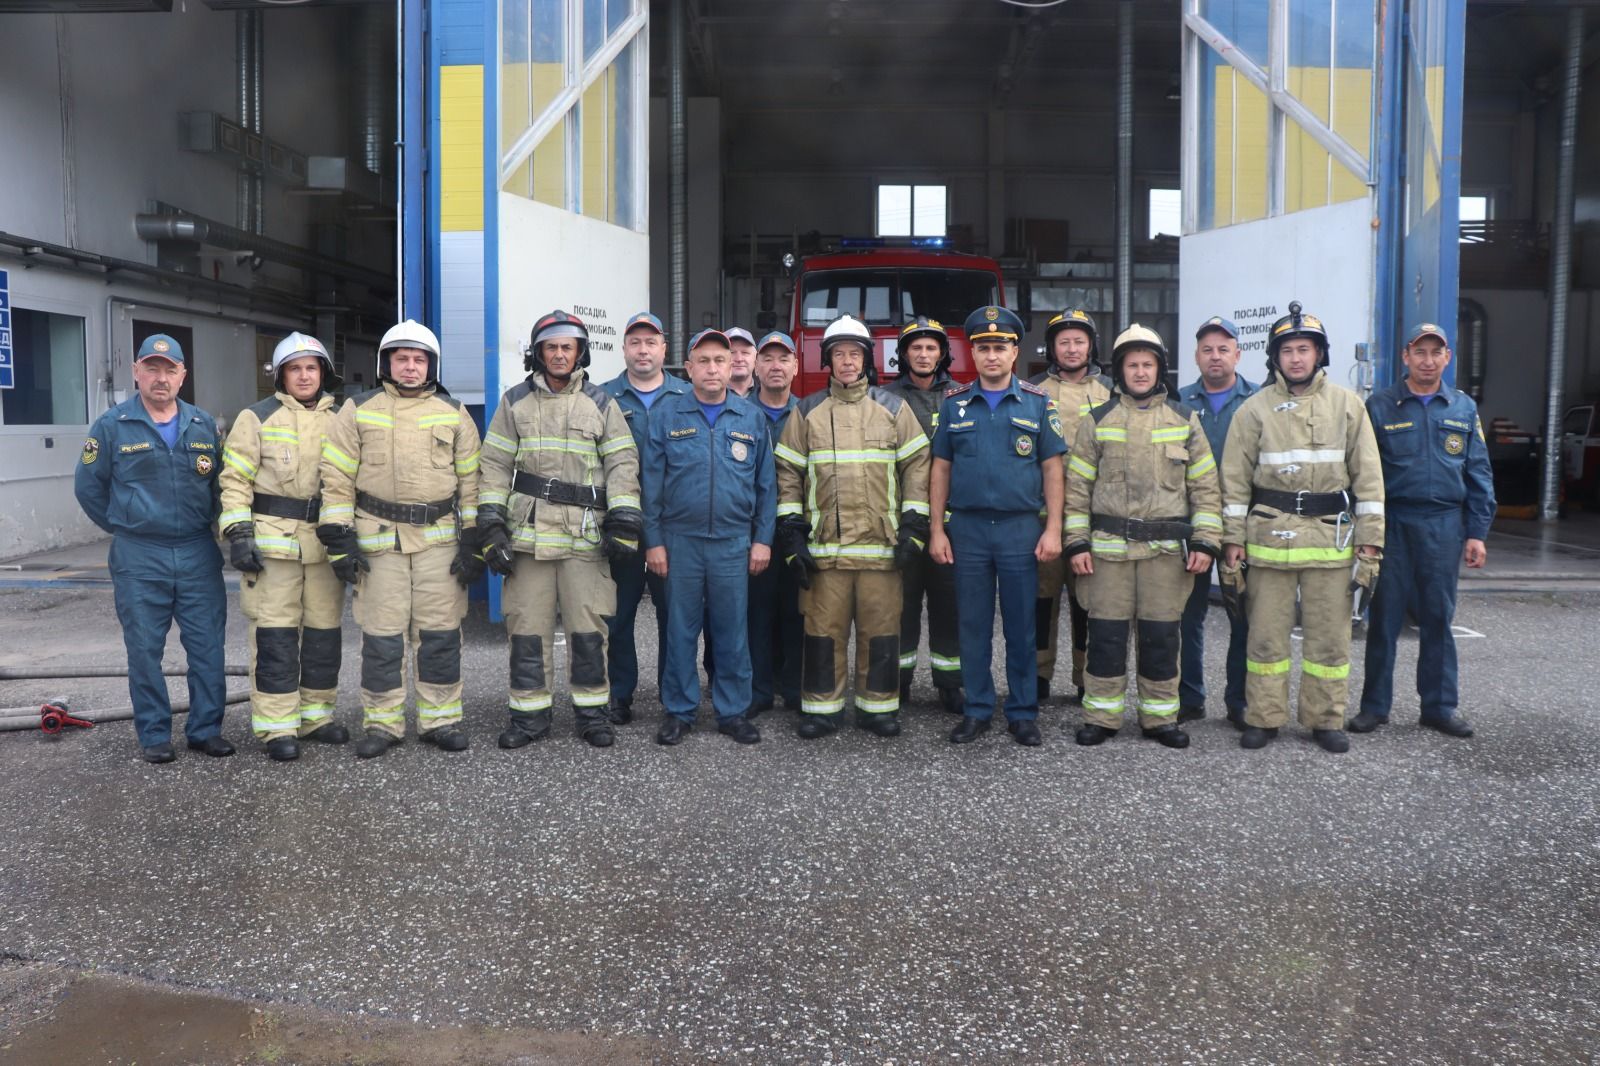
(884, 286)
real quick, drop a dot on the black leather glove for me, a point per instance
(620, 532)
(914, 533)
(793, 534)
(344, 552)
(1231, 579)
(1365, 582)
(242, 551)
(467, 566)
(494, 540)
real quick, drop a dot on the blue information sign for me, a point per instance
(7, 379)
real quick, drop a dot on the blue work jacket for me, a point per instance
(774, 425)
(633, 408)
(1216, 424)
(703, 480)
(1434, 455)
(130, 484)
(995, 455)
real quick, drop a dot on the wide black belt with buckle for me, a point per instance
(287, 507)
(1142, 528)
(565, 492)
(1306, 504)
(412, 514)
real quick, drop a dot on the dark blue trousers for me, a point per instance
(1192, 686)
(153, 584)
(707, 583)
(994, 551)
(622, 664)
(1421, 560)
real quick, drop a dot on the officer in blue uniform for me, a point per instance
(148, 476)
(1220, 392)
(636, 390)
(710, 505)
(776, 627)
(1439, 495)
(996, 464)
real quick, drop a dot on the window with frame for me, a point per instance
(912, 210)
(51, 372)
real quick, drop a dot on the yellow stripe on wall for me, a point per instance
(460, 148)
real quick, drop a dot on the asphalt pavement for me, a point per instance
(852, 900)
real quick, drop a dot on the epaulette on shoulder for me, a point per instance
(265, 409)
(892, 401)
(1104, 409)
(958, 388)
(1181, 409)
(360, 399)
(1028, 386)
(601, 398)
(810, 403)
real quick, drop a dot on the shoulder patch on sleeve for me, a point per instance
(601, 398)
(517, 392)
(810, 403)
(892, 401)
(1181, 409)
(1099, 413)
(266, 408)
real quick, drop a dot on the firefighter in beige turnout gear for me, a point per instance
(399, 503)
(1074, 381)
(1302, 488)
(852, 470)
(1143, 517)
(559, 494)
(289, 593)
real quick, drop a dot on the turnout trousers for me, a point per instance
(1421, 556)
(582, 592)
(1146, 596)
(871, 600)
(994, 553)
(1058, 584)
(410, 601)
(295, 611)
(707, 584)
(935, 582)
(1324, 649)
(153, 583)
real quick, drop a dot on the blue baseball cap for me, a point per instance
(776, 337)
(1426, 329)
(738, 333)
(643, 318)
(1217, 322)
(160, 346)
(708, 334)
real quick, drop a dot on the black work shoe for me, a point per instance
(1044, 689)
(673, 730)
(216, 747)
(758, 709)
(525, 728)
(1255, 736)
(1168, 736)
(1025, 731)
(1333, 740)
(375, 743)
(1192, 713)
(158, 753)
(621, 712)
(1365, 722)
(812, 726)
(283, 749)
(740, 728)
(969, 730)
(595, 730)
(329, 733)
(953, 700)
(446, 738)
(879, 725)
(1236, 719)
(1454, 726)
(1089, 735)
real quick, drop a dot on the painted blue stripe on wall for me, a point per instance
(459, 26)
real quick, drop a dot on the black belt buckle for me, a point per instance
(1134, 529)
(418, 514)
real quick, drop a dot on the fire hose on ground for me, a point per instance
(56, 715)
